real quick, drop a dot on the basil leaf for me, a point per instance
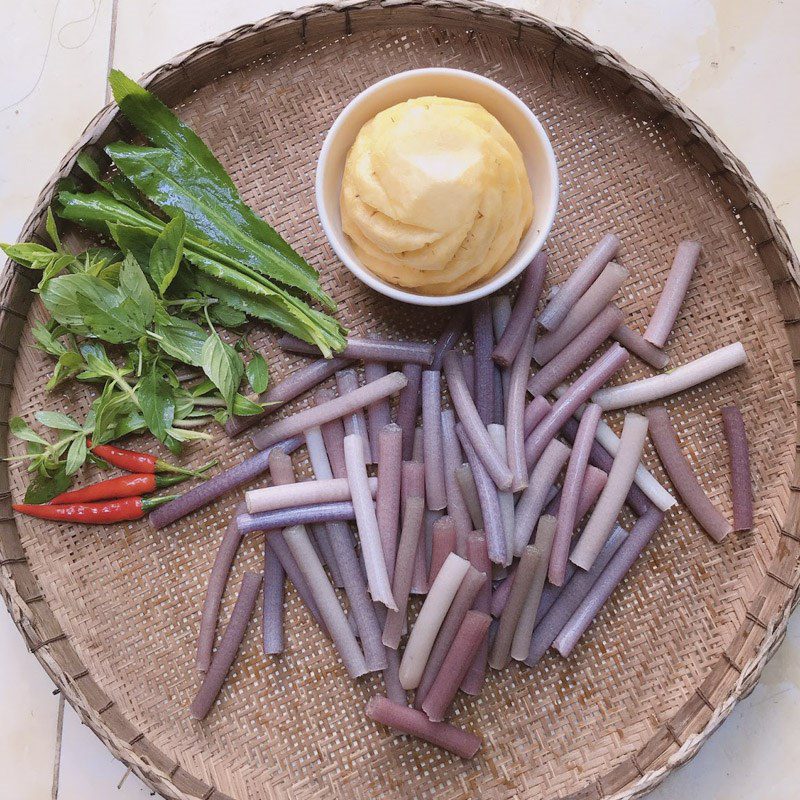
(227, 316)
(184, 404)
(99, 352)
(223, 365)
(37, 256)
(27, 253)
(257, 373)
(46, 341)
(133, 286)
(245, 407)
(181, 339)
(60, 297)
(204, 387)
(99, 365)
(167, 252)
(68, 365)
(112, 322)
(268, 301)
(43, 488)
(138, 242)
(221, 415)
(157, 402)
(76, 455)
(131, 422)
(52, 231)
(55, 267)
(20, 429)
(109, 409)
(168, 180)
(188, 434)
(36, 453)
(104, 262)
(57, 421)
(90, 305)
(57, 450)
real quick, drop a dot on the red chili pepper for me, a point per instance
(133, 485)
(126, 508)
(132, 461)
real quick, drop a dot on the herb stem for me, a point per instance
(127, 388)
(186, 375)
(208, 301)
(194, 422)
(211, 402)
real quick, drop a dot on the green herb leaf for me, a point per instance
(99, 365)
(169, 181)
(224, 366)
(112, 321)
(115, 315)
(57, 421)
(35, 448)
(76, 455)
(37, 256)
(137, 242)
(133, 286)
(68, 365)
(204, 387)
(43, 488)
(97, 350)
(266, 300)
(60, 297)
(159, 124)
(245, 407)
(258, 373)
(157, 402)
(55, 267)
(52, 230)
(167, 252)
(181, 339)
(20, 429)
(188, 434)
(118, 186)
(221, 415)
(96, 210)
(28, 253)
(103, 262)
(184, 403)
(109, 409)
(132, 422)
(46, 341)
(227, 316)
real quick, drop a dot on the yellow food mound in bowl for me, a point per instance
(435, 197)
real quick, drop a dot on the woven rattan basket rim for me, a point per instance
(736, 671)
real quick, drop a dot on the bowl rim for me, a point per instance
(395, 292)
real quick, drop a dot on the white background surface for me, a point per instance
(734, 62)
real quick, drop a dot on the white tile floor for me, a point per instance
(734, 62)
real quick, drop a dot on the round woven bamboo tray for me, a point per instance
(112, 614)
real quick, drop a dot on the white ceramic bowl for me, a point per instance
(512, 113)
